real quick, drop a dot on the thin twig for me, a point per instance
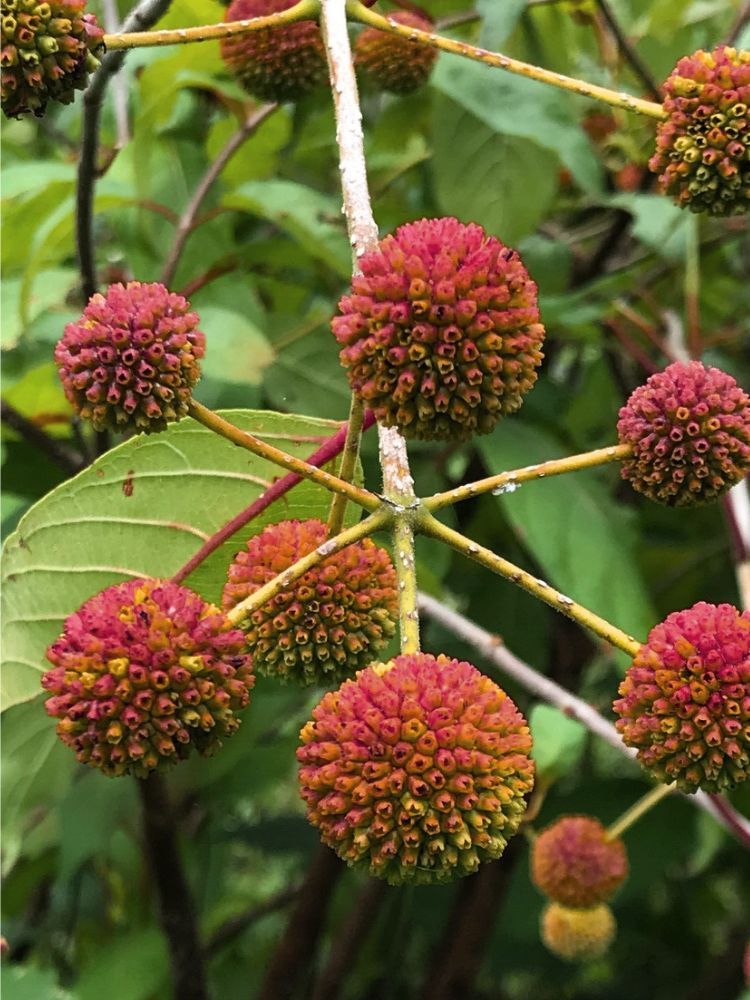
(348, 464)
(143, 16)
(186, 222)
(329, 450)
(628, 51)
(176, 911)
(239, 923)
(297, 945)
(63, 456)
(492, 649)
(644, 804)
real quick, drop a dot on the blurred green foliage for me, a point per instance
(270, 255)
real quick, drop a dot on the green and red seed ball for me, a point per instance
(131, 361)
(281, 63)
(684, 703)
(143, 673)
(416, 770)
(689, 429)
(392, 63)
(48, 51)
(703, 148)
(327, 624)
(573, 863)
(440, 335)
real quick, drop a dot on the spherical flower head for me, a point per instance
(578, 935)
(131, 361)
(144, 672)
(393, 63)
(281, 63)
(703, 148)
(416, 770)
(573, 863)
(685, 700)
(327, 624)
(48, 51)
(441, 334)
(689, 427)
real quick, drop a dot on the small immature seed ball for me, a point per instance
(573, 863)
(281, 63)
(144, 672)
(131, 360)
(327, 624)
(441, 334)
(49, 50)
(393, 63)
(416, 770)
(689, 427)
(685, 700)
(578, 935)
(703, 148)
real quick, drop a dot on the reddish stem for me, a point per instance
(330, 449)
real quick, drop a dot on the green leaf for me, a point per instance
(657, 222)
(136, 961)
(573, 528)
(25, 982)
(513, 105)
(141, 510)
(239, 351)
(558, 742)
(39, 396)
(312, 219)
(308, 375)
(498, 20)
(258, 156)
(491, 181)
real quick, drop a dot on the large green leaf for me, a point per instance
(573, 528)
(490, 181)
(142, 509)
(513, 105)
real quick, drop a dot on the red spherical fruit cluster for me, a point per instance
(144, 672)
(578, 935)
(327, 624)
(573, 863)
(417, 769)
(689, 427)
(685, 700)
(281, 63)
(48, 51)
(703, 148)
(131, 360)
(393, 63)
(441, 334)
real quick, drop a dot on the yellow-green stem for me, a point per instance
(507, 481)
(638, 809)
(243, 439)
(406, 570)
(306, 9)
(616, 99)
(348, 462)
(543, 591)
(284, 580)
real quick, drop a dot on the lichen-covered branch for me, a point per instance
(616, 99)
(506, 482)
(538, 588)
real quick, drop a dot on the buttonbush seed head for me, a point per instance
(703, 148)
(283, 63)
(131, 360)
(574, 864)
(48, 51)
(327, 624)
(441, 334)
(416, 770)
(685, 700)
(689, 426)
(143, 673)
(393, 63)
(578, 935)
